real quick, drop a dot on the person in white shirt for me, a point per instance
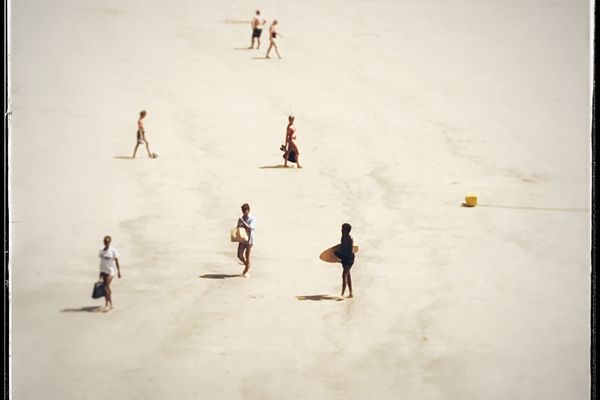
(109, 264)
(248, 222)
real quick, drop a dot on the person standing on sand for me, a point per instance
(346, 256)
(273, 34)
(141, 135)
(248, 222)
(290, 144)
(109, 259)
(257, 24)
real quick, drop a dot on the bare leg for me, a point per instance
(252, 43)
(343, 282)
(148, 148)
(258, 43)
(240, 253)
(107, 291)
(247, 263)
(269, 50)
(135, 150)
(350, 283)
(277, 51)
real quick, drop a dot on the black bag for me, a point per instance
(288, 155)
(98, 290)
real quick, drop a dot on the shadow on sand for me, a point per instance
(218, 276)
(123, 157)
(236, 21)
(277, 166)
(319, 297)
(529, 208)
(84, 309)
(260, 58)
(243, 48)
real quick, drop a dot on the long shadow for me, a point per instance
(319, 297)
(242, 48)
(236, 21)
(532, 208)
(278, 166)
(83, 309)
(123, 157)
(260, 58)
(218, 276)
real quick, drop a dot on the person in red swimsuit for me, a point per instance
(290, 142)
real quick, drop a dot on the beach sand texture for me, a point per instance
(402, 107)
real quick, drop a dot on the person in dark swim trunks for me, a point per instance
(141, 135)
(346, 256)
(257, 24)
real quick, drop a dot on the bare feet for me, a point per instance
(246, 275)
(350, 296)
(268, 57)
(299, 166)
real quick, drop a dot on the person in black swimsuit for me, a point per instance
(346, 256)
(273, 35)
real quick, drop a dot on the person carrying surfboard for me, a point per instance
(346, 256)
(248, 222)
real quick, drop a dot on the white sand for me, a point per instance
(402, 108)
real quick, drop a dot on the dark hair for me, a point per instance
(257, 12)
(245, 207)
(107, 237)
(142, 113)
(346, 227)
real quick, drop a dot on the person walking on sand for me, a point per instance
(109, 259)
(248, 222)
(346, 256)
(141, 135)
(257, 25)
(273, 35)
(290, 143)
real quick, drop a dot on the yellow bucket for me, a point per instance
(471, 200)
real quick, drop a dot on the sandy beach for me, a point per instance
(402, 108)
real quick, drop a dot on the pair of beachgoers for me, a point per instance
(258, 23)
(344, 251)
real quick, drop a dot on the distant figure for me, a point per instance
(292, 154)
(257, 24)
(346, 256)
(141, 135)
(273, 34)
(248, 222)
(109, 259)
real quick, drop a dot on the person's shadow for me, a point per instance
(277, 166)
(218, 276)
(319, 297)
(123, 157)
(83, 309)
